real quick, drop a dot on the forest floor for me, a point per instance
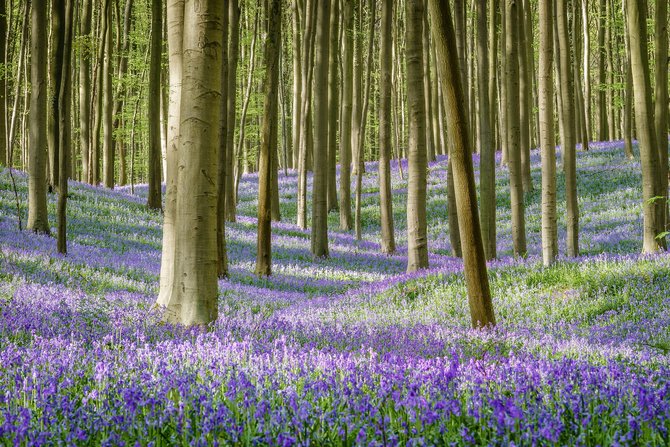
(348, 350)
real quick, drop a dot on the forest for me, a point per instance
(334, 222)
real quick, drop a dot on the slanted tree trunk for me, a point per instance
(567, 109)
(474, 262)
(547, 135)
(417, 240)
(346, 119)
(385, 197)
(108, 155)
(333, 105)
(38, 217)
(513, 133)
(654, 209)
(268, 150)
(193, 300)
(487, 151)
(85, 90)
(154, 111)
(427, 90)
(320, 179)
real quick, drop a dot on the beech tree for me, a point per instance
(385, 198)
(38, 218)
(268, 149)
(192, 299)
(154, 158)
(653, 206)
(476, 276)
(417, 240)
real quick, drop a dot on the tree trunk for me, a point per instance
(487, 177)
(154, 111)
(525, 92)
(653, 207)
(38, 217)
(587, 68)
(320, 179)
(108, 156)
(233, 55)
(602, 76)
(346, 119)
(568, 107)
(385, 196)
(427, 90)
(513, 130)
(222, 151)
(333, 109)
(476, 276)
(123, 51)
(661, 111)
(268, 150)
(297, 80)
(193, 300)
(64, 8)
(85, 91)
(547, 138)
(417, 241)
(3, 85)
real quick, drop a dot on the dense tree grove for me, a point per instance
(117, 92)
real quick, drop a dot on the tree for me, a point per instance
(320, 180)
(568, 143)
(3, 85)
(346, 114)
(268, 149)
(661, 103)
(107, 103)
(63, 9)
(487, 150)
(547, 135)
(417, 241)
(38, 218)
(513, 129)
(222, 152)
(385, 198)
(193, 298)
(654, 209)
(333, 102)
(233, 56)
(476, 276)
(85, 89)
(154, 110)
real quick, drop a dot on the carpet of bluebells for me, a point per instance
(349, 350)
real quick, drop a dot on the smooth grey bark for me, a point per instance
(154, 110)
(547, 135)
(385, 197)
(661, 102)
(193, 300)
(108, 156)
(333, 105)
(346, 119)
(319, 235)
(488, 163)
(222, 151)
(233, 56)
(85, 90)
(568, 144)
(38, 217)
(513, 129)
(417, 240)
(653, 208)
(268, 150)
(474, 262)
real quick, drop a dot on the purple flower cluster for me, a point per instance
(345, 351)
